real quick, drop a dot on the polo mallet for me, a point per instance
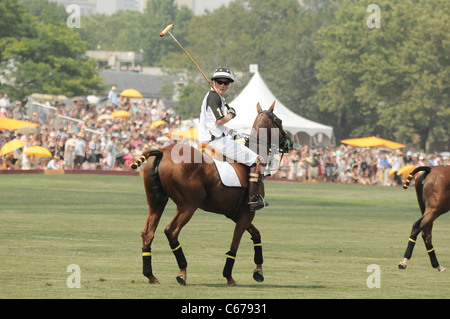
(167, 30)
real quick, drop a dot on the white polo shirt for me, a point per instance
(213, 109)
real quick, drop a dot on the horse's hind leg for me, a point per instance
(147, 234)
(425, 224)
(416, 229)
(426, 235)
(258, 257)
(172, 231)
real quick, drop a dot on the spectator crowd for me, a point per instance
(86, 136)
(349, 165)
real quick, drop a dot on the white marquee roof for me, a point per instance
(257, 91)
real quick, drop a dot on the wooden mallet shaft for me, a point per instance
(167, 30)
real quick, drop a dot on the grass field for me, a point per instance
(318, 241)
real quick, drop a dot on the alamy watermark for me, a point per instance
(374, 280)
(374, 20)
(74, 18)
(74, 279)
(265, 144)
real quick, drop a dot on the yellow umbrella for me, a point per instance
(11, 124)
(121, 113)
(38, 151)
(192, 134)
(11, 146)
(157, 123)
(131, 93)
(372, 141)
(402, 172)
(405, 170)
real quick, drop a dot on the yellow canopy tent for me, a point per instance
(372, 141)
(188, 134)
(12, 124)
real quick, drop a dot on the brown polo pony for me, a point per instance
(193, 184)
(433, 195)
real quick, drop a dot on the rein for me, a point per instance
(285, 141)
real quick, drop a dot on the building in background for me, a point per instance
(198, 7)
(112, 6)
(87, 7)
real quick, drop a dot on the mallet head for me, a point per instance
(167, 29)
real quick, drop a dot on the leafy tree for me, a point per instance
(422, 67)
(390, 81)
(121, 31)
(13, 21)
(137, 31)
(342, 44)
(276, 35)
(230, 36)
(289, 63)
(157, 15)
(45, 11)
(46, 58)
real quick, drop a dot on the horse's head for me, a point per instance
(268, 121)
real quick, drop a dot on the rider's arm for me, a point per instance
(224, 119)
(215, 104)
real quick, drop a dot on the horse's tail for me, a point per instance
(145, 156)
(425, 169)
(154, 189)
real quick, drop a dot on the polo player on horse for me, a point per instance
(214, 114)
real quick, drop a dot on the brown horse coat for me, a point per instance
(433, 196)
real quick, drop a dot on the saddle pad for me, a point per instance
(227, 174)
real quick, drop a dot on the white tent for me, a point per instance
(297, 126)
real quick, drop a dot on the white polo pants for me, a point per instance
(234, 150)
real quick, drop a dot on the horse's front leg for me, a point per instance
(242, 224)
(258, 257)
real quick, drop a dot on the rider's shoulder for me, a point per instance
(214, 96)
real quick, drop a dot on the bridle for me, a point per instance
(285, 144)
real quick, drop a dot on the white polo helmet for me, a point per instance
(222, 73)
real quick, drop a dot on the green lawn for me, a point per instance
(318, 241)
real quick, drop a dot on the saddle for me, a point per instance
(240, 169)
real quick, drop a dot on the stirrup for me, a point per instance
(258, 204)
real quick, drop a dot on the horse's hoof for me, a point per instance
(441, 269)
(153, 281)
(402, 266)
(181, 279)
(231, 282)
(258, 275)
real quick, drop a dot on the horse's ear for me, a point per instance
(258, 108)
(272, 107)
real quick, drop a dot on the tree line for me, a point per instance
(40, 54)
(363, 69)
